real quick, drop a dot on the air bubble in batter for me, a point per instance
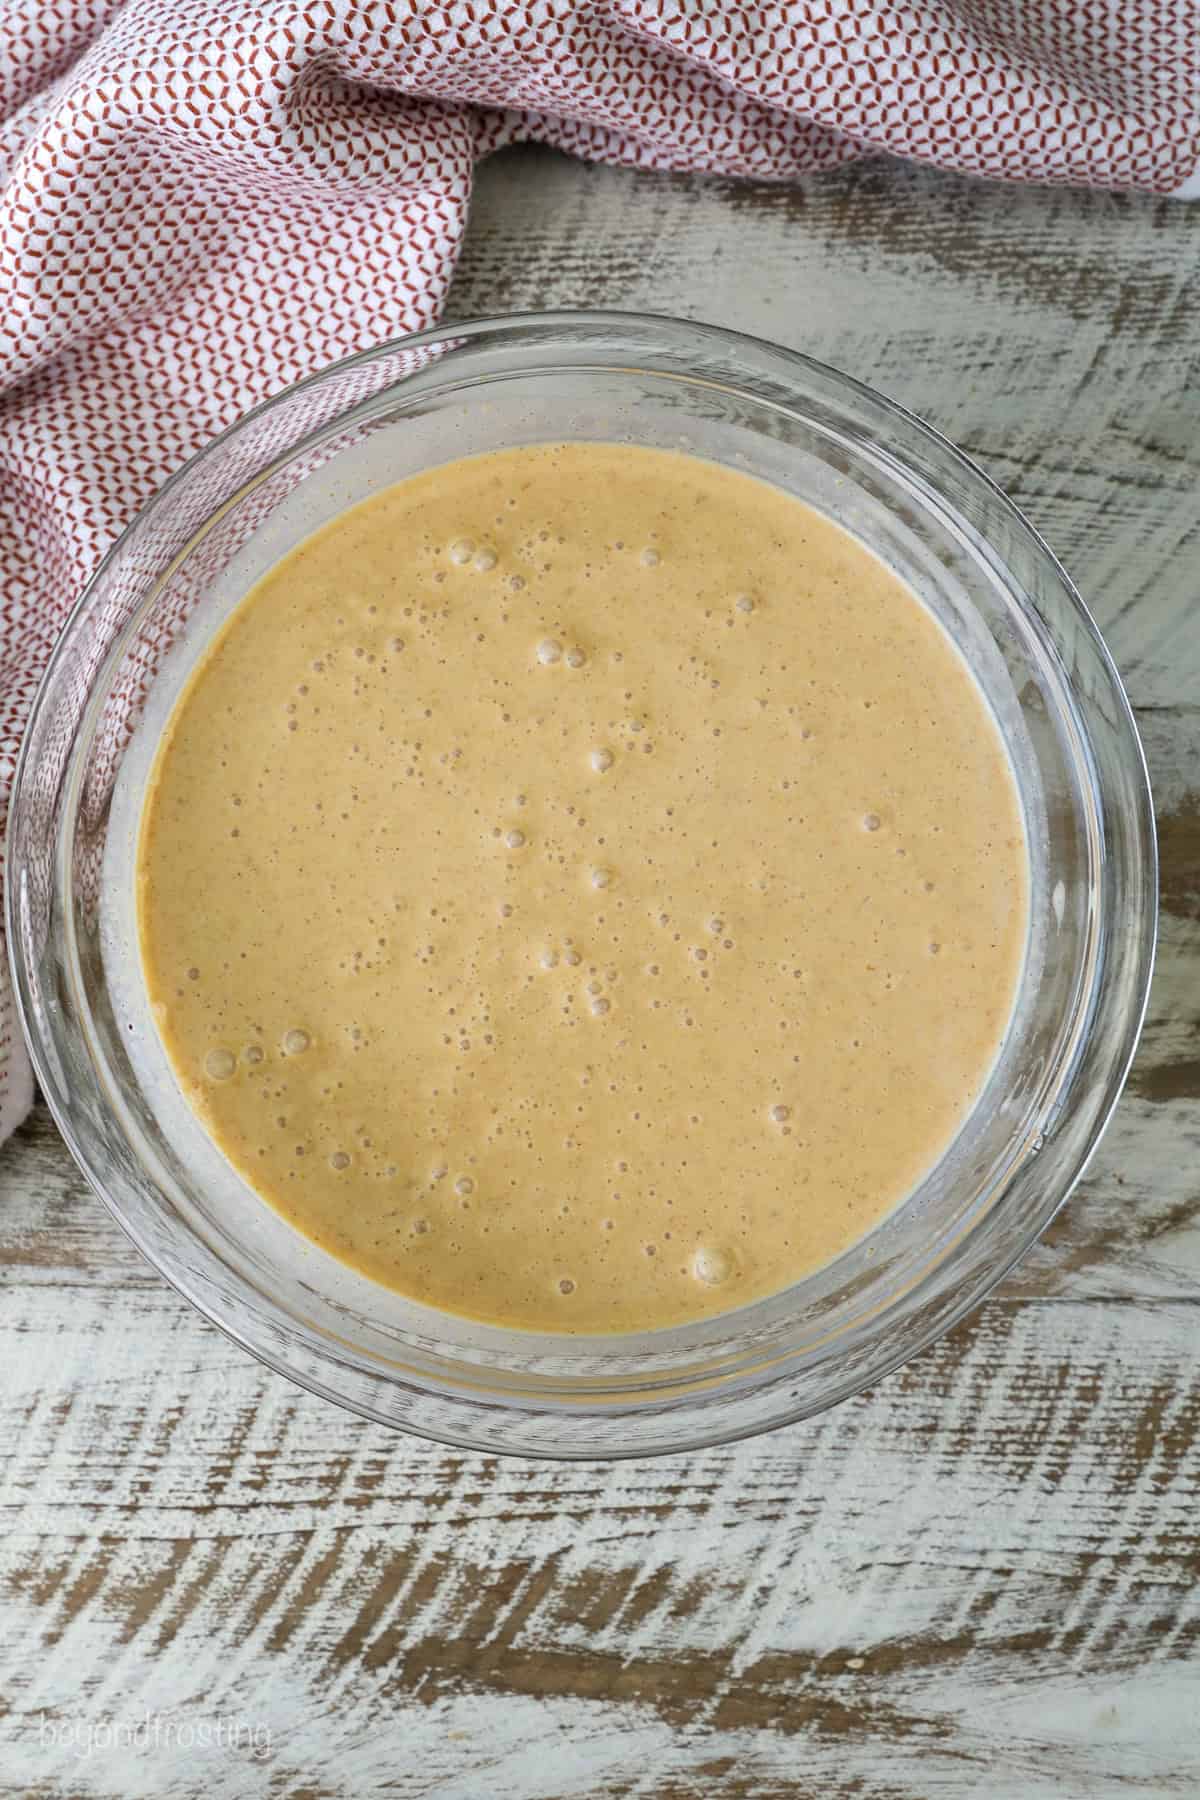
(712, 1265)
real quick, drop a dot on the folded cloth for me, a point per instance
(203, 200)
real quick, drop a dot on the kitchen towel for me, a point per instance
(204, 200)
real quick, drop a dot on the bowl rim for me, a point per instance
(886, 1361)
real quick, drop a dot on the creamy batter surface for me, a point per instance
(582, 888)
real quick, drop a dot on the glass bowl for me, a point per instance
(274, 477)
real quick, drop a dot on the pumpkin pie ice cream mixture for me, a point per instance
(582, 888)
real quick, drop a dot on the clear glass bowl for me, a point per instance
(270, 480)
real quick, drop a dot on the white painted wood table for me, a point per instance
(979, 1579)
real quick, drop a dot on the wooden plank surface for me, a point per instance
(978, 1580)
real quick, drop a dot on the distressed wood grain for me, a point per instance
(978, 1580)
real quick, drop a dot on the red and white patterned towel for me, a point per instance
(203, 200)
